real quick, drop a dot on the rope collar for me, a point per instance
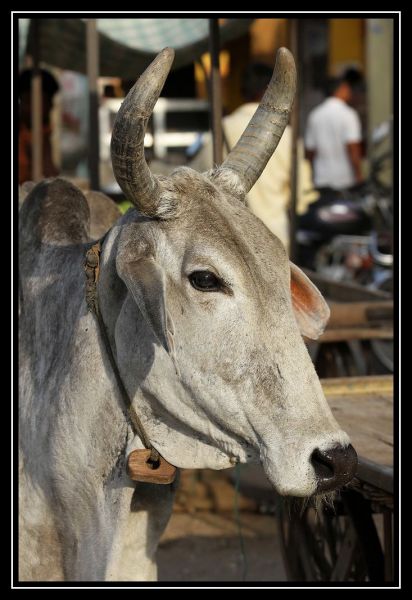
(143, 465)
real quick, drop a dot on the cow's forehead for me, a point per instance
(215, 218)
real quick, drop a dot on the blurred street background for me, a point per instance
(226, 526)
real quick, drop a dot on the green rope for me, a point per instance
(239, 525)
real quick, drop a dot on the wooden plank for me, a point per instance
(379, 476)
(139, 468)
(349, 314)
(363, 407)
(344, 291)
(340, 386)
(356, 333)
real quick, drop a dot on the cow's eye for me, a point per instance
(205, 281)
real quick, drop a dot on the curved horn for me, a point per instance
(261, 137)
(127, 145)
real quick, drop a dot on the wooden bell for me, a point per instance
(139, 468)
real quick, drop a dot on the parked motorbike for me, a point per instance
(347, 235)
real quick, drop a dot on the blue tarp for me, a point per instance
(126, 46)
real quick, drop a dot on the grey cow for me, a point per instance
(205, 316)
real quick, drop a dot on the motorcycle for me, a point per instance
(347, 235)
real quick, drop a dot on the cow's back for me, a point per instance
(53, 236)
(54, 213)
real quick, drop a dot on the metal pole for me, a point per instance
(216, 92)
(294, 121)
(92, 44)
(36, 110)
(295, 124)
(391, 139)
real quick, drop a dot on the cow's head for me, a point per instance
(211, 290)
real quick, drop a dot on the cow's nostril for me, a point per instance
(334, 467)
(322, 465)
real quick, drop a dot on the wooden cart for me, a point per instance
(358, 340)
(353, 540)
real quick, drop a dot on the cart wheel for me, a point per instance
(383, 349)
(331, 544)
(339, 359)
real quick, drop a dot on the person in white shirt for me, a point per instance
(333, 139)
(269, 198)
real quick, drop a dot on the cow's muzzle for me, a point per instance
(334, 467)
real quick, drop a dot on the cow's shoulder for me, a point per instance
(56, 213)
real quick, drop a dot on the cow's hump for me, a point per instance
(55, 212)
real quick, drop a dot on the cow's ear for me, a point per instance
(145, 280)
(310, 308)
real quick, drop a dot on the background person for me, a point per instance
(333, 138)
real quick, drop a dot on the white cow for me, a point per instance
(205, 317)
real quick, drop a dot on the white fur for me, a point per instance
(238, 384)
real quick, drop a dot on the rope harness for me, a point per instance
(142, 465)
